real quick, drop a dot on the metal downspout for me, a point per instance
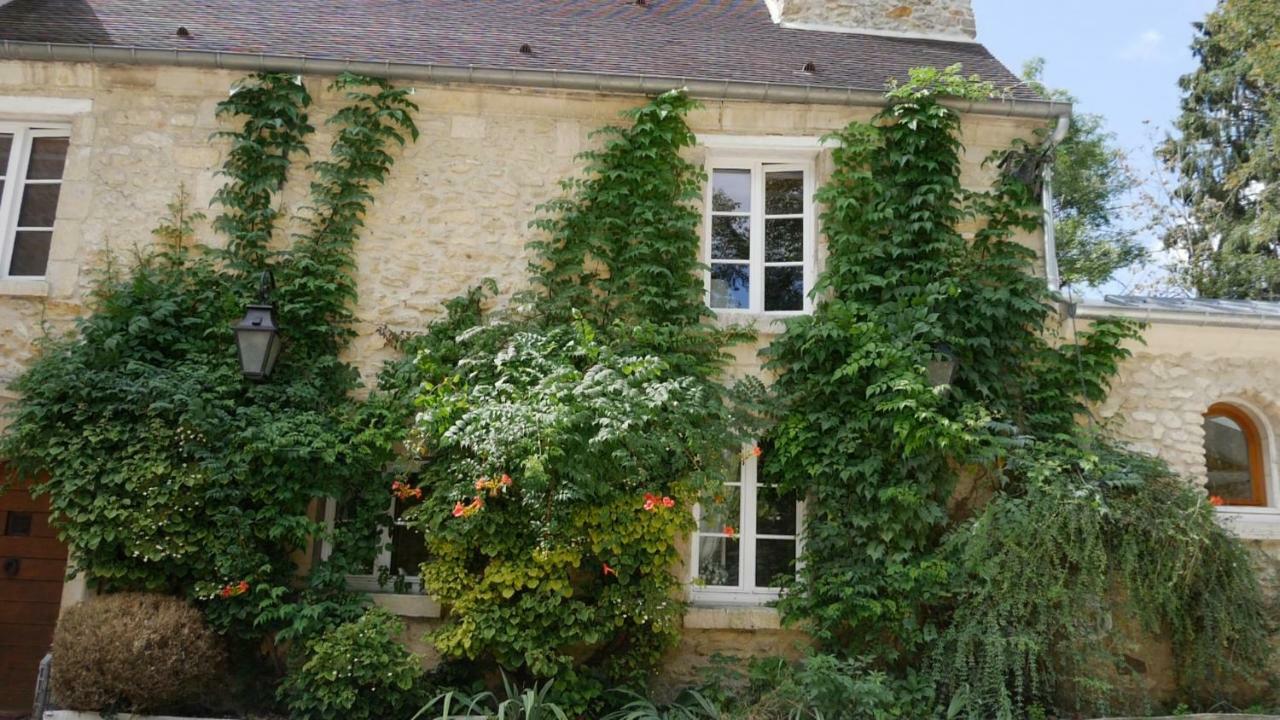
(1052, 274)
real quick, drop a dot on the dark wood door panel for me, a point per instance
(46, 591)
(28, 613)
(40, 526)
(39, 523)
(30, 593)
(21, 501)
(32, 547)
(34, 569)
(18, 673)
(14, 636)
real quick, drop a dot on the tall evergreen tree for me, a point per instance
(1227, 155)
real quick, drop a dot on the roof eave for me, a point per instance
(507, 77)
(1253, 321)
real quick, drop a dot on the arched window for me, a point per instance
(1233, 456)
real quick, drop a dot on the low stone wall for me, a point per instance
(735, 632)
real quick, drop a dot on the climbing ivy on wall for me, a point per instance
(998, 608)
(563, 442)
(165, 468)
(559, 445)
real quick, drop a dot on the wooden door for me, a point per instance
(32, 565)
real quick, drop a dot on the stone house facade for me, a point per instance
(1201, 391)
(105, 112)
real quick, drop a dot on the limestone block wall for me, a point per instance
(938, 18)
(455, 209)
(1158, 400)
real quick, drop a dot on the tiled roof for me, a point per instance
(1248, 308)
(719, 40)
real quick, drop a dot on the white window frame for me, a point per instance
(746, 592)
(803, 158)
(15, 181)
(368, 582)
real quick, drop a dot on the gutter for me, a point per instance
(1251, 321)
(510, 77)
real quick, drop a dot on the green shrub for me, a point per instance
(690, 705)
(827, 687)
(818, 687)
(357, 671)
(1078, 535)
(134, 652)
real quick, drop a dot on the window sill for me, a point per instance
(410, 606)
(768, 323)
(696, 617)
(14, 287)
(1251, 523)
(706, 617)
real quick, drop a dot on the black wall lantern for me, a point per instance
(257, 335)
(942, 365)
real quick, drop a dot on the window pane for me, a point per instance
(408, 551)
(784, 240)
(39, 205)
(718, 561)
(30, 252)
(783, 288)
(6, 142)
(730, 286)
(408, 546)
(784, 193)
(775, 512)
(730, 238)
(731, 191)
(47, 157)
(774, 559)
(1226, 454)
(17, 524)
(722, 510)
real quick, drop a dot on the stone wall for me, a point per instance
(1157, 404)
(1158, 400)
(951, 19)
(455, 209)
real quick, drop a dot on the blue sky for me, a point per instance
(1120, 58)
